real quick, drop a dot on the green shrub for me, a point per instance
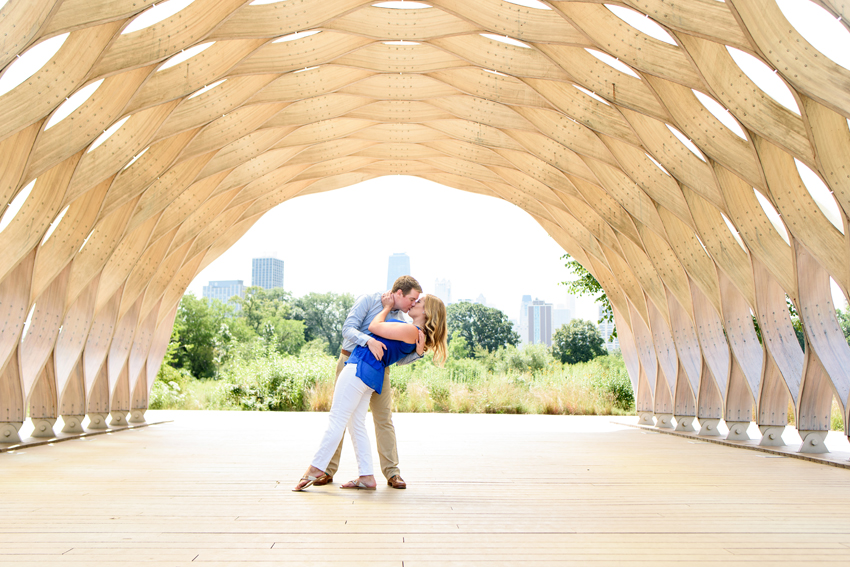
(274, 382)
(508, 380)
(169, 390)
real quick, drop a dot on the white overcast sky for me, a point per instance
(340, 241)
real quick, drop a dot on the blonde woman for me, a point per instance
(364, 374)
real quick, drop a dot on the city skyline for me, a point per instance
(499, 251)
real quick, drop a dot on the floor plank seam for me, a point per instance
(71, 437)
(740, 445)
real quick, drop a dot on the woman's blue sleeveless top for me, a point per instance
(371, 371)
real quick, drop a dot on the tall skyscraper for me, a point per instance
(223, 290)
(523, 318)
(267, 272)
(399, 265)
(481, 300)
(561, 315)
(605, 329)
(539, 323)
(443, 290)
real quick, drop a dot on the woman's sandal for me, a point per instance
(310, 480)
(357, 485)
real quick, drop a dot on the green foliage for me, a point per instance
(458, 347)
(510, 359)
(610, 375)
(273, 382)
(202, 335)
(511, 380)
(260, 306)
(586, 284)
(480, 327)
(284, 336)
(170, 387)
(323, 315)
(508, 380)
(578, 341)
(207, 333)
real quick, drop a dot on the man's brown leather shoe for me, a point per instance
(323, 480)
(395, 481)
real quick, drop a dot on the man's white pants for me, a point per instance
(351, 401)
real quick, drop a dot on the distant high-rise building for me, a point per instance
(223, 290)
(443, 290)
(571, 305)
(267, 272)
(539, 323)
(523, 318)
(605, 329)
(398, 266)
(560, 316)
(481, 300)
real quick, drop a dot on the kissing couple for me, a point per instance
(376, 336)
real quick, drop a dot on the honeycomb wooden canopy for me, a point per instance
(610, 138)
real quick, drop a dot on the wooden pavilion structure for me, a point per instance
(696, 225)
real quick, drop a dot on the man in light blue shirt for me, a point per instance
(405, 294)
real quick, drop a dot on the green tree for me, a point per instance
(285, 336)
(586, 284)
(481, 327)
(458, 347)
(579, 341)
(323, 315)
(261, 305)
(202, 335)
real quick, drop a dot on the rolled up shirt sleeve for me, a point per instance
(351, 327)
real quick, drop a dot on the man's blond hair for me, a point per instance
(405, 284)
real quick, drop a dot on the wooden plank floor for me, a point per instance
(214, 488)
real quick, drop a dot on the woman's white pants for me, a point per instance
(351, 401)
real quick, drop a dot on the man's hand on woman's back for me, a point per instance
(377, 348)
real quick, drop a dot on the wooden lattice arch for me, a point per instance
(593, 153)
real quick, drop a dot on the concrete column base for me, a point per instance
(9, 432)
(813, 442)
(97, 421)
(738, 430)
(43, 427)
(708, 427)
(771, 435)
(646, 418)
(118, 418)
(664, 420)
(137, 415)
(73, 424)
(685, 423)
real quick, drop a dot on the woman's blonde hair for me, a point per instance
(435, 328)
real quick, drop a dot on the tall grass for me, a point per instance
(509, 381)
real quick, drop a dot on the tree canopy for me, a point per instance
(323, 315)
(200, 331)
(578, 341)
(481, 327)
